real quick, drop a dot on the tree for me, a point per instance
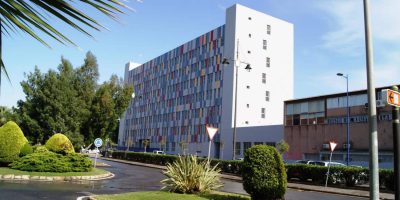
(31, 16)
(282, 147)
(6, 115)
(110, 101)
(145, 143)
(70, 101)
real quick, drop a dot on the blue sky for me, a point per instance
(329, 38)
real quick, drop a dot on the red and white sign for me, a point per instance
(332, 145)
(211, 131)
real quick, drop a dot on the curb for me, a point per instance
(12, 177)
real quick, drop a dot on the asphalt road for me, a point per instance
(128, 178)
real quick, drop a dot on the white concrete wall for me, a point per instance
(240, 22)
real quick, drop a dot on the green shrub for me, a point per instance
(40, 149)
(59, 143)
(53, 162)
(12, 139)
(188, 175)
(387, 179)
(300, 171)
(263, 173)
(352, 175)
(25, 150)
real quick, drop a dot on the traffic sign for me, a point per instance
(391, 97)
(332, 145)
(211, 131)
(98, 142)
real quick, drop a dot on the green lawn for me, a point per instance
(95, 171)
(171, 196)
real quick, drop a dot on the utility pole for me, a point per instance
(396, 147)
(372, 119)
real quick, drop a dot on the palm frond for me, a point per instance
(29, 17)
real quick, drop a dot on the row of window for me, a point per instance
(241, 147)
(209, 112)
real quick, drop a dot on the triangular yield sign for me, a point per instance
(332, 145)
(211, 131)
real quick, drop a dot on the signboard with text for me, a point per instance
(391, 97)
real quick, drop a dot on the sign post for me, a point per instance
(332, 146)
(211, 133)
(97, 142)
(392, 97)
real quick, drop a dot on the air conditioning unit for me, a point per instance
(325, 146)
(380, 103)
(345, 146)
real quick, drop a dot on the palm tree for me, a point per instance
(30, 16)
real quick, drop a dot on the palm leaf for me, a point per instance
(29, 17)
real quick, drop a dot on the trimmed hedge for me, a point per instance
(53, 162)
(59, 143)
(12, 139)
(226, 166)
(263, 173)
(349, 176)
(316, 174)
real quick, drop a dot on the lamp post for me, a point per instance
(248, 68)
(348, 117)
(129, 135)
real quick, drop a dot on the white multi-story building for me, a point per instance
(180, 92)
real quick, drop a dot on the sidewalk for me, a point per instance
(297, 186)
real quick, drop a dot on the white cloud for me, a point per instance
(384, 74)
(347, 25)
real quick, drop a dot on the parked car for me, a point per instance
(159, 152)
(326, 163)
(303, 162)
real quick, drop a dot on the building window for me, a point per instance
(246, 145)
(266, 95)
(269, 29)
(249, 18)
(268, 62)
(173, 146)
(249, 52)
(258, 143)
(167, 146)
(265, 44)
(270, 144)
(262, 112)
(237, 148)
(264, 78)
(249, 35)
(248, 105)
(246, 122)
(248, 87)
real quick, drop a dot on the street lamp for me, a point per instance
(348, 116)
(248, 68)
(129, 135)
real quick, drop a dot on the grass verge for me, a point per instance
(95, 171)
(171, 196)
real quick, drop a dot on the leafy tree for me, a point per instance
(110, 101)
(31, 16)
(70, 101)
(282, 146)
(6, 115)
(145, 143)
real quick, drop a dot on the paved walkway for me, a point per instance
(333, 190)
